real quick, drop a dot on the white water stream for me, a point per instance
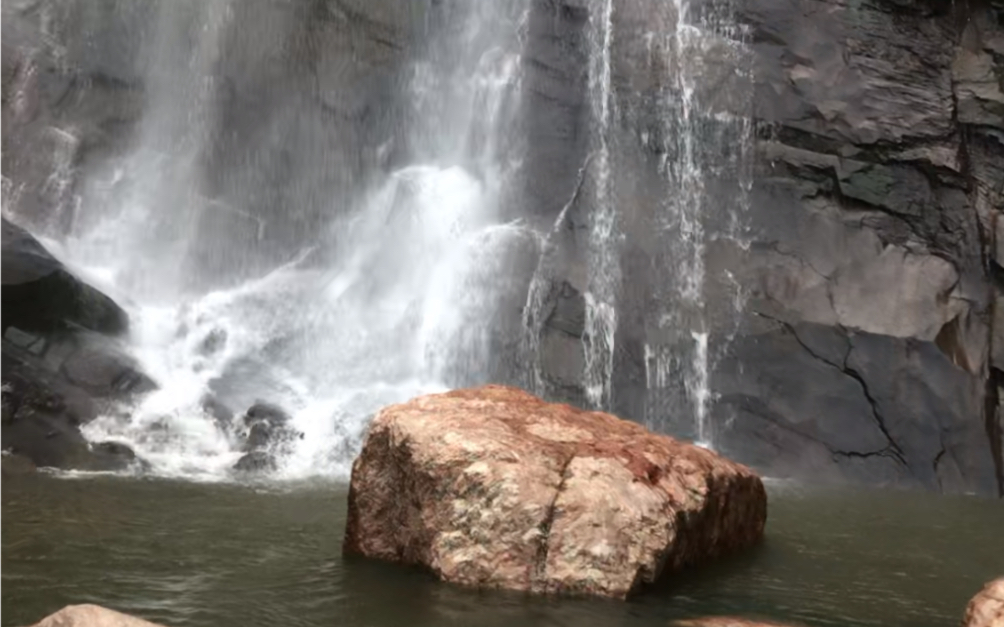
(401, 305)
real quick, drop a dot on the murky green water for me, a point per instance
(214, 555)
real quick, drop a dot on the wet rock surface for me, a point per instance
(41, 296)
(63, 360)
(494, 487)
(872, 262)
(267, 433)
(255, 462)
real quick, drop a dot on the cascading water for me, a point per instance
(404, 296)
(706, 147)
(604, 268)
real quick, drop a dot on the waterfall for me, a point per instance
(141, 211)
(706, 148)
(333, 221)
(398, 293)
(603, 256)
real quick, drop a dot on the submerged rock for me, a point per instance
(267, 427)
(986, 609)
(255, 461)
(114, 454)
(265, 412)
(267, 434)
(91, 616)
(494, 487)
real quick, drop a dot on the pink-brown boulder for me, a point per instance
(493, 487)
(986, 609)
(91, 616)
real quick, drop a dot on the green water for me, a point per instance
(222, 555)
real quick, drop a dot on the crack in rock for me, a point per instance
(934, 465)
(893, 450)
(543, 540)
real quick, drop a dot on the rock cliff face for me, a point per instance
(867, 347)
(868, 344)
(875, 264)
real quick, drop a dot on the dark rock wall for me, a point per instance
(869, 354)
(869, 342)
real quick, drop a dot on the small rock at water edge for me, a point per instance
(986, 609)
(727, 621)
(91, 616)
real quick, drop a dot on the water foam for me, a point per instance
(330, 345)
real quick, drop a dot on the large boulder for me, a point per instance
(267, 434)
(41, 296)
(494, 487)
(91, 616)
(63, 363)
(986, 609)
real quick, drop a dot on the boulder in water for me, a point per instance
(986, 609)
(268, 426)
(115, 454)
(255, 461)
(263, 411)
(100, 368)
(91, 616)
(494, 487)
(62, 365)
(43, 411)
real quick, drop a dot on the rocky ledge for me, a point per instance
(493, 487)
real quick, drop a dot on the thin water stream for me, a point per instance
(221, 555)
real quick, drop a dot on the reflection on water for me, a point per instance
(223, 555)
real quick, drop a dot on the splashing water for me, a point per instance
(400, 301)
